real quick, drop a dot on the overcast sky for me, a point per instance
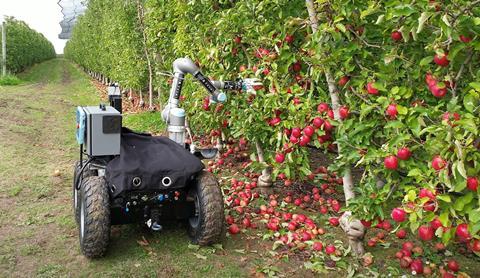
(42, 15)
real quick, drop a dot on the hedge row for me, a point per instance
(25, 46)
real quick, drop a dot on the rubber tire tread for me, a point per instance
(86, 173)
(97, 217)
(211, 227)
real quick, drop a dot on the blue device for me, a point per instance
(81, 122)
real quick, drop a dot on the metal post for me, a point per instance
(4, 49)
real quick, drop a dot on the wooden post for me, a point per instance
(4, 49)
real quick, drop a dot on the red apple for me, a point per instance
(453, 265)
(308, 131)
(292, 226)
(472, 183)
(371, 88)
(465, 39)
(229, 219)
(318, 122)
(392, 111)
(343, 111)
(330, 249)
(334, 221)
(391, 162)
(404, 153)
(289, 39)
(441, 59)
(233, 229)
(438, 90)
(275, 121)
(327, 126)
(438, 163)
(439, 246)
(450, 117)
(402, 233)
(398, 215)
(405, 262)
(317, 246)
(279, 157)
(426, 193)
(435, 223)
(425, 232)
(417, 266)
(396, 36)
(475, 245)
(297, 66)
(343, 80)
(462, 231)
(304, 140)
(238, 40)
(323, 107)
(296, 132)
(330, 114)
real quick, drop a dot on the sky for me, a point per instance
(42, 15)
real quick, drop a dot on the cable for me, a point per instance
(80, 173)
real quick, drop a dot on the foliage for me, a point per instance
(106, 40)
(389, 44)
(25, 46)
(9, 80)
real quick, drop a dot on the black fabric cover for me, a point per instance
(150, 158)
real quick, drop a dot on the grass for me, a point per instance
(9, 80)
(145, 122)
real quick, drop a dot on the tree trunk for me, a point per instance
(141, 103)
(141, 17)
(160, 105)
(353, 227)
(265, 180)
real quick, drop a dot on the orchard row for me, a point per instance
(391, 89)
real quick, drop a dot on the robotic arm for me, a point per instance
(182, 66)
(175, 116)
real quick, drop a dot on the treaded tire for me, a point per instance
(76, 193)
(94, 228)
(206, 227)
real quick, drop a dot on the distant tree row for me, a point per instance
(25, 46)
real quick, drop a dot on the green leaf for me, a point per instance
(445, 198)
(410, 196)
(415, 173)
(403, 10)
(461, 202)
(394, 124)
(421, 21)
(444, 218)
(460, 185)
(461, 169)
(470, 102)
(468, 124)
(447, 236)
(475, 85)
(380, 19)
(402, 110)
(474, 215)
(445, 20)
(426, 61)
(341, 27)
